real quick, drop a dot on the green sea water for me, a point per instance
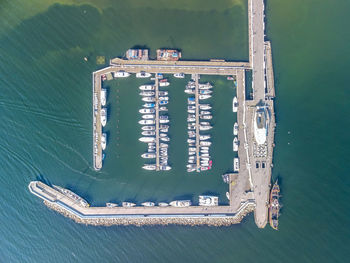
(46, 131)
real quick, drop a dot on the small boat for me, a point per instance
(147, 122)
(164, 130)
(103, 97)
(148, 155)
(164, 145)
(163, 117)
(149, 105)
(191, 107)
(163, 204)
(235, 129)
(163, 108)
(204, 123)
(204, 137)
(146, 87)
(165, 167)
(164, 121)
(205, 91)
(147, 111)
(191, 111)
(164, 84)
(163, 102)
(110, 205)
(148, 128)
(181, 203)
(103, 116)
(206, 117)
(148, 116)
(204, 97)
(205, 106)
(204, 112)
(205, 128)
(149, 167)
(121, 74)
(179, 75)
(147, 139)
(162, 93)
(103, 140)
(162, 135)
(128, 204)
(191, 119)
(148, 133)
(165, 139)
(205, 143)
(235, 144)
(143, 74)
(190, 91)
(236, 164)
(148, 204)
(191, 141)
(235, 104)
(208, 200)
(147, 93)
(149, 99)
(163, 98)
(163, 126)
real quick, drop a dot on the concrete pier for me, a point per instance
(196, 79)
(156, 89)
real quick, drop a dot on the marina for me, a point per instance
(253, 141)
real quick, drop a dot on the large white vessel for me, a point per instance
(147, 139)
(150, 167)
(235, 129)
(103, 97)
(235, 164)
(103, 116)
(121, 74)
(208, 200)
(235, 144)
(261, 121)
(181, 203)
(103, 141)
(146, 87)
(235, 104)
(179, 75)
(143, 74)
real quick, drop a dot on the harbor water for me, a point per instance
(46, 129)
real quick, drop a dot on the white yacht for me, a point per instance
(205, 106)
(179, 75)
(146, 87)
(203, 97)
(235, 144)
(103, 140)
(148, 116)
(148, 204)
(147, 111)
(205, 143)
(235, 104)
(164, 121)
(121, 74)
(143, 75)
(163, 204)
(235, 129)
(147, 122)
(148, 99)
(162, 93)
(204, 112)
(208, 200)
(147, 93)
(204, 137)
(148, 155)
(147, 139)
(236, 164)
(163, 98)
(164, 83)
(261, 121)
(181, 203)
(148, 128)
(205, 128)
(165, 167)
(110, 205)
(149, 167)
(148, 133)
(206, 117)
(205, 91)
(103, 97)
(103, 116)
(128, 204)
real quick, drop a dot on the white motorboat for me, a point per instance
(149, 99)
(190, 91)
(191, 111)
(147, 93)
(110, 205)
(191, 119)
(163, 108)
(163, 204)
(163, 98)
(191, 107)
(143, 75)
(205, 86)
(205, 128)
(164, 83)
(147, 122)
(103, 140)
(147, 139)
(121, 74)
(204, 143)
(147, 111)
(165, 167)
(208, 200)
(164, 121)
(204, 123)
(148, 116)
(149, 167)
(148, 133)
(235, 129)
(179, 75)
(181, 203)
(128, 204)
(146, 87)
(162, 93)
(103, 97)
(148, 155)
(235, 104)
(205, 106)
(205, 91)
(235, 144)
(236, 164)
(149, 105)
(206, 117)
(204, 97)
(103, 116)
(148, 204)
(148, 128)
(204, 137)
(165, 139)
(204, 112)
